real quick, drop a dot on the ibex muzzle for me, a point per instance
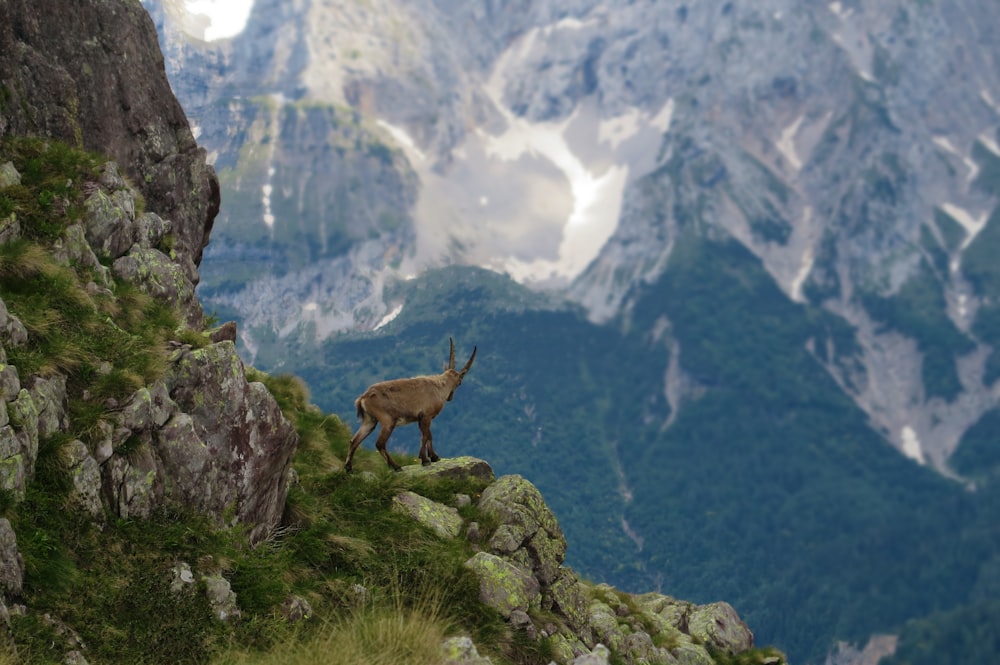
(403, 401)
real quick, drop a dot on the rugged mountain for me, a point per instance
(760, 239)
(160, 501)
(361, 143)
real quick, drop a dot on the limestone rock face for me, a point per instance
(232, 451)
(99, 83)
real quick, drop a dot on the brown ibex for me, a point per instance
(404, 401)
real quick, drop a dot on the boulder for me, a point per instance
(49, 397)
(230, 455)
(85, 473)
(11, 562)
(461, 651)
(439, 518)
(109, 222)
(599, 656)
(453, 467)
(502, 585)
(526, 523)
(720, 628)
(73, 249)
(9, 175)
(153, 272)
(221, 598)
(12, 331)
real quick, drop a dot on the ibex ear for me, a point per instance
(469, 364)
(451, 356)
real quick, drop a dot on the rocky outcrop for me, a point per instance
(521, 575)
(203, 437)
(99, 83)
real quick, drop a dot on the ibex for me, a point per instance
(403, 401)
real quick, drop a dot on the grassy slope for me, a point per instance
(111, 582)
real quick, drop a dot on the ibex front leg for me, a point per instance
(427, 454)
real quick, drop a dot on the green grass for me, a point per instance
(50, 194)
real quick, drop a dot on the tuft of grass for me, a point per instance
(380, 634)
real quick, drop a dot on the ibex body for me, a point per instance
(403, 401)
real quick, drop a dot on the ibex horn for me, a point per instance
(469, 364)
(451, 356)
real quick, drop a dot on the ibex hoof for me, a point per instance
(435, 458)
(397, 468)
(348, 468)
(425, 462)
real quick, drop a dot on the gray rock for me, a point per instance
(49, 397)
(154, 273)
(149, 407)
(12, 331)
(296, 608)
(85, 473)
(453, 467)
(221, 598)
(150, 229)
(10, 383)
(720, 628)
(599, 656)
(182, 577)
(9, 175)
(10, 228)
(11, 561)
(567, 597)
(519, 507)
(230, 457)
(461, 651)
(74, 657)
(19, 444)
(73, 249)
(604, 622)
(108, 222)
(439, 518)
(502, 585)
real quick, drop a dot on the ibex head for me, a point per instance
(452, 373)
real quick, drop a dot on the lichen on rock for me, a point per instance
(439, 518)
(504, 586)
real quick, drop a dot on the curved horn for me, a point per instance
(469, 364)
(451, 356)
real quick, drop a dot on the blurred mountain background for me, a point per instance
(730, 267)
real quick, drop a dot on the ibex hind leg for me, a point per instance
(383, 437)
(367, 425)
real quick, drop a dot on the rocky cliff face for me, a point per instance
(202, 436)
(96, 84)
